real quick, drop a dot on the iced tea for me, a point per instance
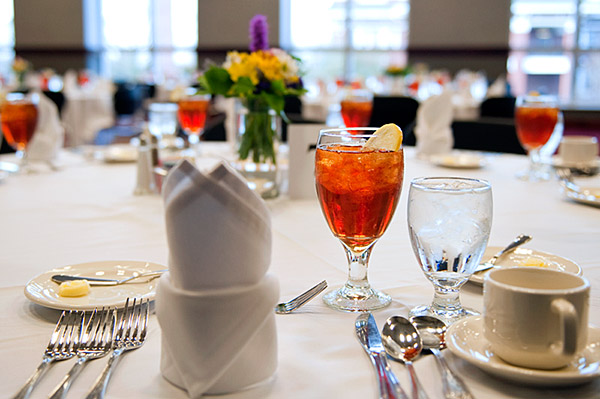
(358, 190)
(535, 125)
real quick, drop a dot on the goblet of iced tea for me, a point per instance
(358, 190)
(192, 110)
(356, 108)
(536, 118)
(18, 116)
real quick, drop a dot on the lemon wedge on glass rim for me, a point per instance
(387, 137)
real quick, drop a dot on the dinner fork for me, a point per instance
(96, 342)
(131, 334)
(60, 347)
(293, 304)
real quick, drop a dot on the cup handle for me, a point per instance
(568, 320)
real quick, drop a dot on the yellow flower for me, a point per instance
(240, 65)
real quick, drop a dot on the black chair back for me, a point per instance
(498, 107)
(399, 110)
(487, 134)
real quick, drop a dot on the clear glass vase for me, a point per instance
(257, 142)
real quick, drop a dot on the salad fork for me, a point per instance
(96, 342)
(293, 304)
(60, 347)
(131, 334)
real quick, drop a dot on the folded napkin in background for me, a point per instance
(215, 305)
(433, 130)
(49, 134)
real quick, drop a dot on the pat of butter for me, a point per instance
(74, 288)
(531, 261)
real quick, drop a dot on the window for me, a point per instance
(7, 37)
(555, 48)
(345, 39)
(129, 47)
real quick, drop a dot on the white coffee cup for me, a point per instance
(536, 317)
(577, 150)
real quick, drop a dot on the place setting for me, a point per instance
(90, 285)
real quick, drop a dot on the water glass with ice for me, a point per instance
(449, 221)
(162, 122)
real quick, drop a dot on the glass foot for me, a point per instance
(447, 316)
(356, 300)
(536, 175)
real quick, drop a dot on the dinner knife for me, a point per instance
(97, 281)
(368, 335)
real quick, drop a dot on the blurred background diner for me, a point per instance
(104, 62)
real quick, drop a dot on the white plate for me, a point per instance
(582, 194)
(465, 339)
(43, 291)
(459, 160)
(520, 255)
(120, 153)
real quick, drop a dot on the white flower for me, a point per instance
(290, 66)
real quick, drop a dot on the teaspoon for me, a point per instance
(403, 343)
(433, 331)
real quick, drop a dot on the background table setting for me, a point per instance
(85, 212)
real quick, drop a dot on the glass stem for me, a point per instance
(446, 300)
(534, 160)
(358, 263)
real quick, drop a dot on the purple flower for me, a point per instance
(259, 33)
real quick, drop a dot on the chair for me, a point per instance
(498, 107)
(399, 110)
(487, 134)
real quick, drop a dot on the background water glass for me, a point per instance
(449, 221)
(162, 122)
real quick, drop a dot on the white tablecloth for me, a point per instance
(87, 212)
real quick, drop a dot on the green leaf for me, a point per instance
(243, 87)
(276, 102)
(216, 80)
(278, 87)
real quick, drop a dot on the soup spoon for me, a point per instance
(402, 342)
(433, 331)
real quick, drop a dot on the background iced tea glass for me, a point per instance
(356, 107)
(358, 190)
(192, 110)
(449, 221)
(19, 116)
(536, 119)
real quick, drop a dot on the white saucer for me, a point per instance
(465, 339)
(558, 162)
(118, 153)
(582, 194)
(43, 291)
(459, 160)
(520, 255)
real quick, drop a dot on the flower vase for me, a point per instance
(257, 141)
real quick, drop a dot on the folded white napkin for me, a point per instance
(218, 230)
(49, 134)
(215, 305)
(433, 130)
(498, 88)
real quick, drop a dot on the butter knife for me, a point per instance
(96, 281)
(368, 335)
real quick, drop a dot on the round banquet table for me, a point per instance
(86, 211)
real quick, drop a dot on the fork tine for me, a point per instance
(145, 321)
(55, 334)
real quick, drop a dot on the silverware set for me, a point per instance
(403, 340)
(90, 337)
